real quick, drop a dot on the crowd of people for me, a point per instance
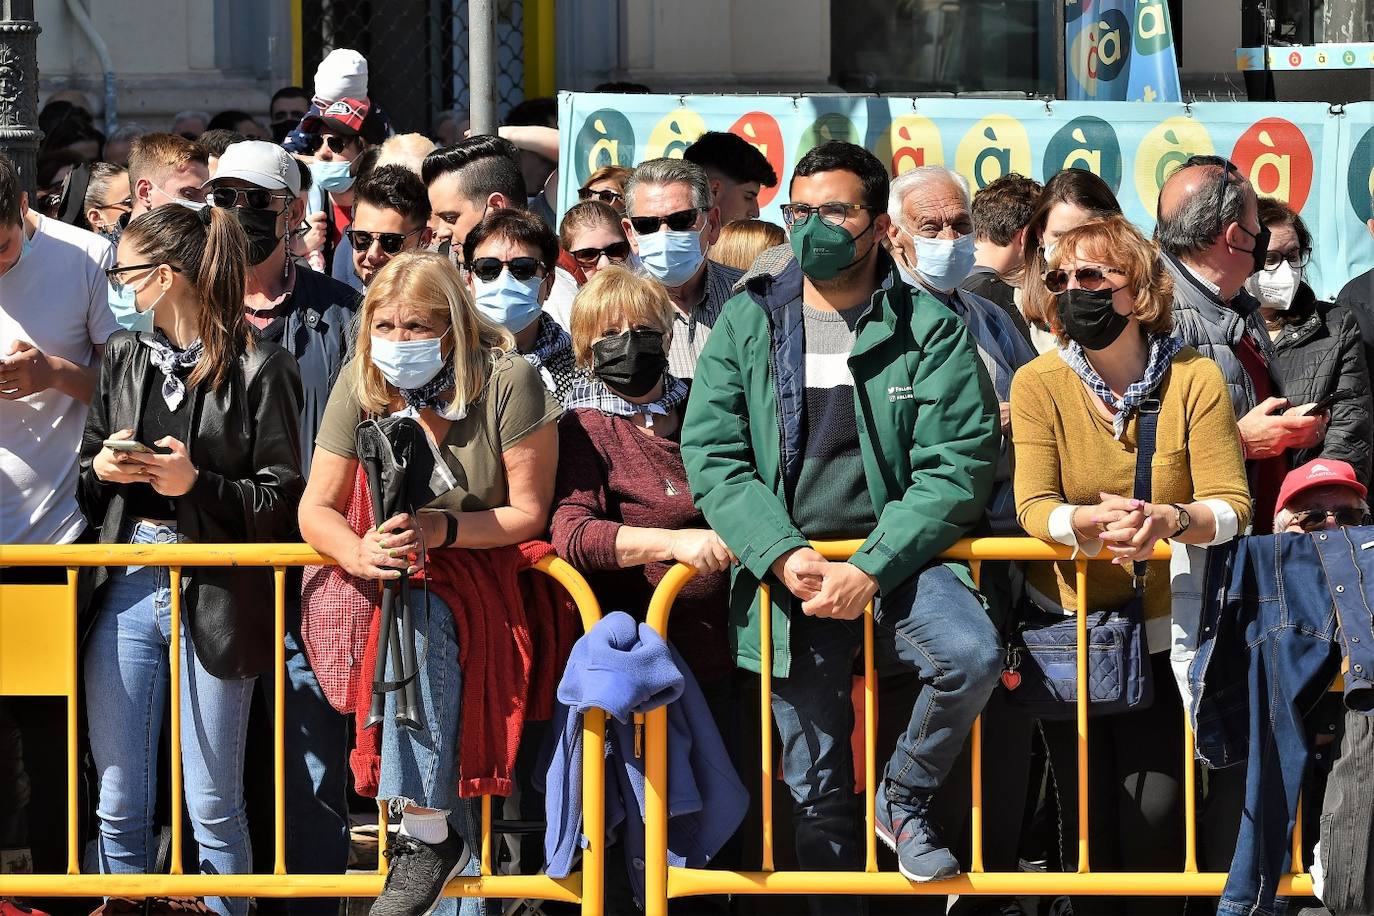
(196, 324)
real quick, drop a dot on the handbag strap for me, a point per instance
(1147, 419)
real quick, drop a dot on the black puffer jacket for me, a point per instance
(1319, 350)
(246, 447)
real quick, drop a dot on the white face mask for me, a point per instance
(943, 263)
(1275, 289)
(407, 364)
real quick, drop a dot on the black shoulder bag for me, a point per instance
(1041, 674)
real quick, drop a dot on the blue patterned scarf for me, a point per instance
(172, 363)
(1162, 351)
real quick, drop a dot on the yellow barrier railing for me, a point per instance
(663, 882)
(38, 657)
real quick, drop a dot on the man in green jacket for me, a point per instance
(834, 401)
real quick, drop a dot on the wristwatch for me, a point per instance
(1184, 520)
(451, 533)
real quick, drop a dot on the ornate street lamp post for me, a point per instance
(19, 87)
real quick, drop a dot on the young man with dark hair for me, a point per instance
(468, 179)
(834, 401)
(288, 106)
(390, 215)
(1000, 213)
(736, 170)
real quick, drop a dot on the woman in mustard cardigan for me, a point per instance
(1074, 415)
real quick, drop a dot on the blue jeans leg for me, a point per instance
(420, 767)
(815, 718)
(936, 626)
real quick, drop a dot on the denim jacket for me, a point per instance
(1278, 613)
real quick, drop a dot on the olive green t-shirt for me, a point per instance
(513, 405)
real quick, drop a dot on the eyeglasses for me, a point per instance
(1300, 258)
(616, 251)
(125, 204)
(390, 242)
(488, 269)
(336, 143)
(252, 198)
(834, 212)
(1090, 278)
(1315, 519)
(606, 197)
(117, 283)
(680, 221)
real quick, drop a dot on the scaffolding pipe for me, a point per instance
(83, 22)
(482, 66)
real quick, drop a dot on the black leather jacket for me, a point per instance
(246, 447)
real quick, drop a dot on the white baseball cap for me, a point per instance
(260, 163)
(341, 75)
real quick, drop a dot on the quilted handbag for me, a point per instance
(1042, 652)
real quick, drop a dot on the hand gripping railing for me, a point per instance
(663, 882)
(38, 658)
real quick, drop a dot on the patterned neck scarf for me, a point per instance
(1162, 351)
(172, 363)
(430, 394)
(589, 391)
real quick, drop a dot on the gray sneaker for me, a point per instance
(417, 874)
(905, 827)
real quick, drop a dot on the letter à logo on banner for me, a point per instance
(994, 147)
(1100, 52)
(1085, 143)
(671, 136)
(908, 142)
(1361, 177)
(761, 130)
(1152, 33)
(1167, 146)
(1275, 156)
(606, 138)
(830, 126)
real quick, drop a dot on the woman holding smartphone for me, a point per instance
(192, 436)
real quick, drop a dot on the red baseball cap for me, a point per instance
(344, 117)
(1319, 472)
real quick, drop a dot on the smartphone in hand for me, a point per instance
(128, 445)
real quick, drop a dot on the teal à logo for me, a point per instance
(1361, 177)
(1110, 46)
(606, 138)
(829, 126)
(1152, 33)
(1085, 143)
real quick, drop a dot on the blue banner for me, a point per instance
(1120, 51)
(1317, 159)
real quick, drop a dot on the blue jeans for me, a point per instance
(932, 625)
(316, 778)
(1274, 611)
(126, 670)
(421, 767)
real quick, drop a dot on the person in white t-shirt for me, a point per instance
(54, 321)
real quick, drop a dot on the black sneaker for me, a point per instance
(417, 874)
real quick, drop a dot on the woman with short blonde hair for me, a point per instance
(744, 240)
(424, 351)
(619, 295)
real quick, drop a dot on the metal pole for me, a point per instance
(1061, 51)
(482, 65)
(19, 89)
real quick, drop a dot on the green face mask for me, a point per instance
(823, 250)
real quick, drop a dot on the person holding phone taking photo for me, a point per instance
(210, 417)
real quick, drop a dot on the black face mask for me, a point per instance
(1089, 319)
(281, 128)
(1261, 248)
(261, 228)
(632, 363)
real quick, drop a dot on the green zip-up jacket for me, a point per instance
(928, 425)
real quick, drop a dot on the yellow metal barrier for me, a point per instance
(663, 882)
(38, 657)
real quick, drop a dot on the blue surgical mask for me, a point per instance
(509, 302)
(407, 364)
(943, 263)
(671, 258)
(122, 305)
(331, 176)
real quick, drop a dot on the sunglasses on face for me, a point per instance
(616, 251)
(1315, 519)
(1300, 258)
(680, 221)
(606, 197)
(488, 269)
(116, 274)
(1089, 278)
(336, 143)
(252, 198)
(125, 204)
(390, 242)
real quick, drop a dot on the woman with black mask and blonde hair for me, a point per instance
(192, 436)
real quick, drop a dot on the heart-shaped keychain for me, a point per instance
(1011, 679)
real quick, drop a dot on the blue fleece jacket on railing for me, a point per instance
(626, 668)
